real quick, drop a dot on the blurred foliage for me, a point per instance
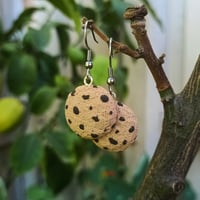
(34, 76)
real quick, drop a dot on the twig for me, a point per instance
(136, 15)
(119, 47)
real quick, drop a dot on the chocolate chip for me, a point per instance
(112, 141)
(122, 119)
(131, 129)
(90, 108)
(95, 118)
(81, 126)
(73, 93)
(113, 126)
(119, 103)
(124, 142)
(75, 110)
(94, 135)
(66, 107)
(69, 121)
(96, 140)
(106, 148)
(111, 112)
(104, 98)
(85, 97)
(94, 86)
(117, 131)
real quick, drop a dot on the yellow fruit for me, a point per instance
(11, 112)
(1, 82)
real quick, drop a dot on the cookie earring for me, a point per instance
(124, 132)
(90, 111)
(88, 80)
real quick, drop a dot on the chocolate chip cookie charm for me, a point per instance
(123, 134)
(90, 111)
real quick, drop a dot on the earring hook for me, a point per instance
(110, 52)
(88, 64)
(85, 35)
(111, 79)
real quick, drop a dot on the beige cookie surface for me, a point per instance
(124, 132)
(91, 111)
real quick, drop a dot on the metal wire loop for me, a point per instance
(88, 80)
(110, 80)
(85, 34)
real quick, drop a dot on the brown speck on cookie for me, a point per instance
(104, 98)
(113, 141)
(81, 126)
(85, 97)
(94, 135)
(75, 110)
(95, 118)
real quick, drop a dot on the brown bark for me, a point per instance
(180, 136)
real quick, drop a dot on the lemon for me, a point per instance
(11, 112)
(1, 82)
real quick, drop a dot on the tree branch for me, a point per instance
(119, 47)
(145, 51)
(180, 137)
(192, 88)
(136, 15)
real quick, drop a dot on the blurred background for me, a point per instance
(42, 56)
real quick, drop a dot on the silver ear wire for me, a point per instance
(111, 79)
(88, 64)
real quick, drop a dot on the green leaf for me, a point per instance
(119, 7)
(23, 19)
(63, 35)
(109, 17)
(39, 193)
(26, 153)
(100, 70)
(42, 99)
(38, 39)
(58, 174)
(47, 68)
(70, 9)
(105, 169)
(118, 189)
(120, 86)
(76, 55)
(9, 47)
(87, 12)
(3, 192)
(22, 73)
(63, 84)
(59, 142)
